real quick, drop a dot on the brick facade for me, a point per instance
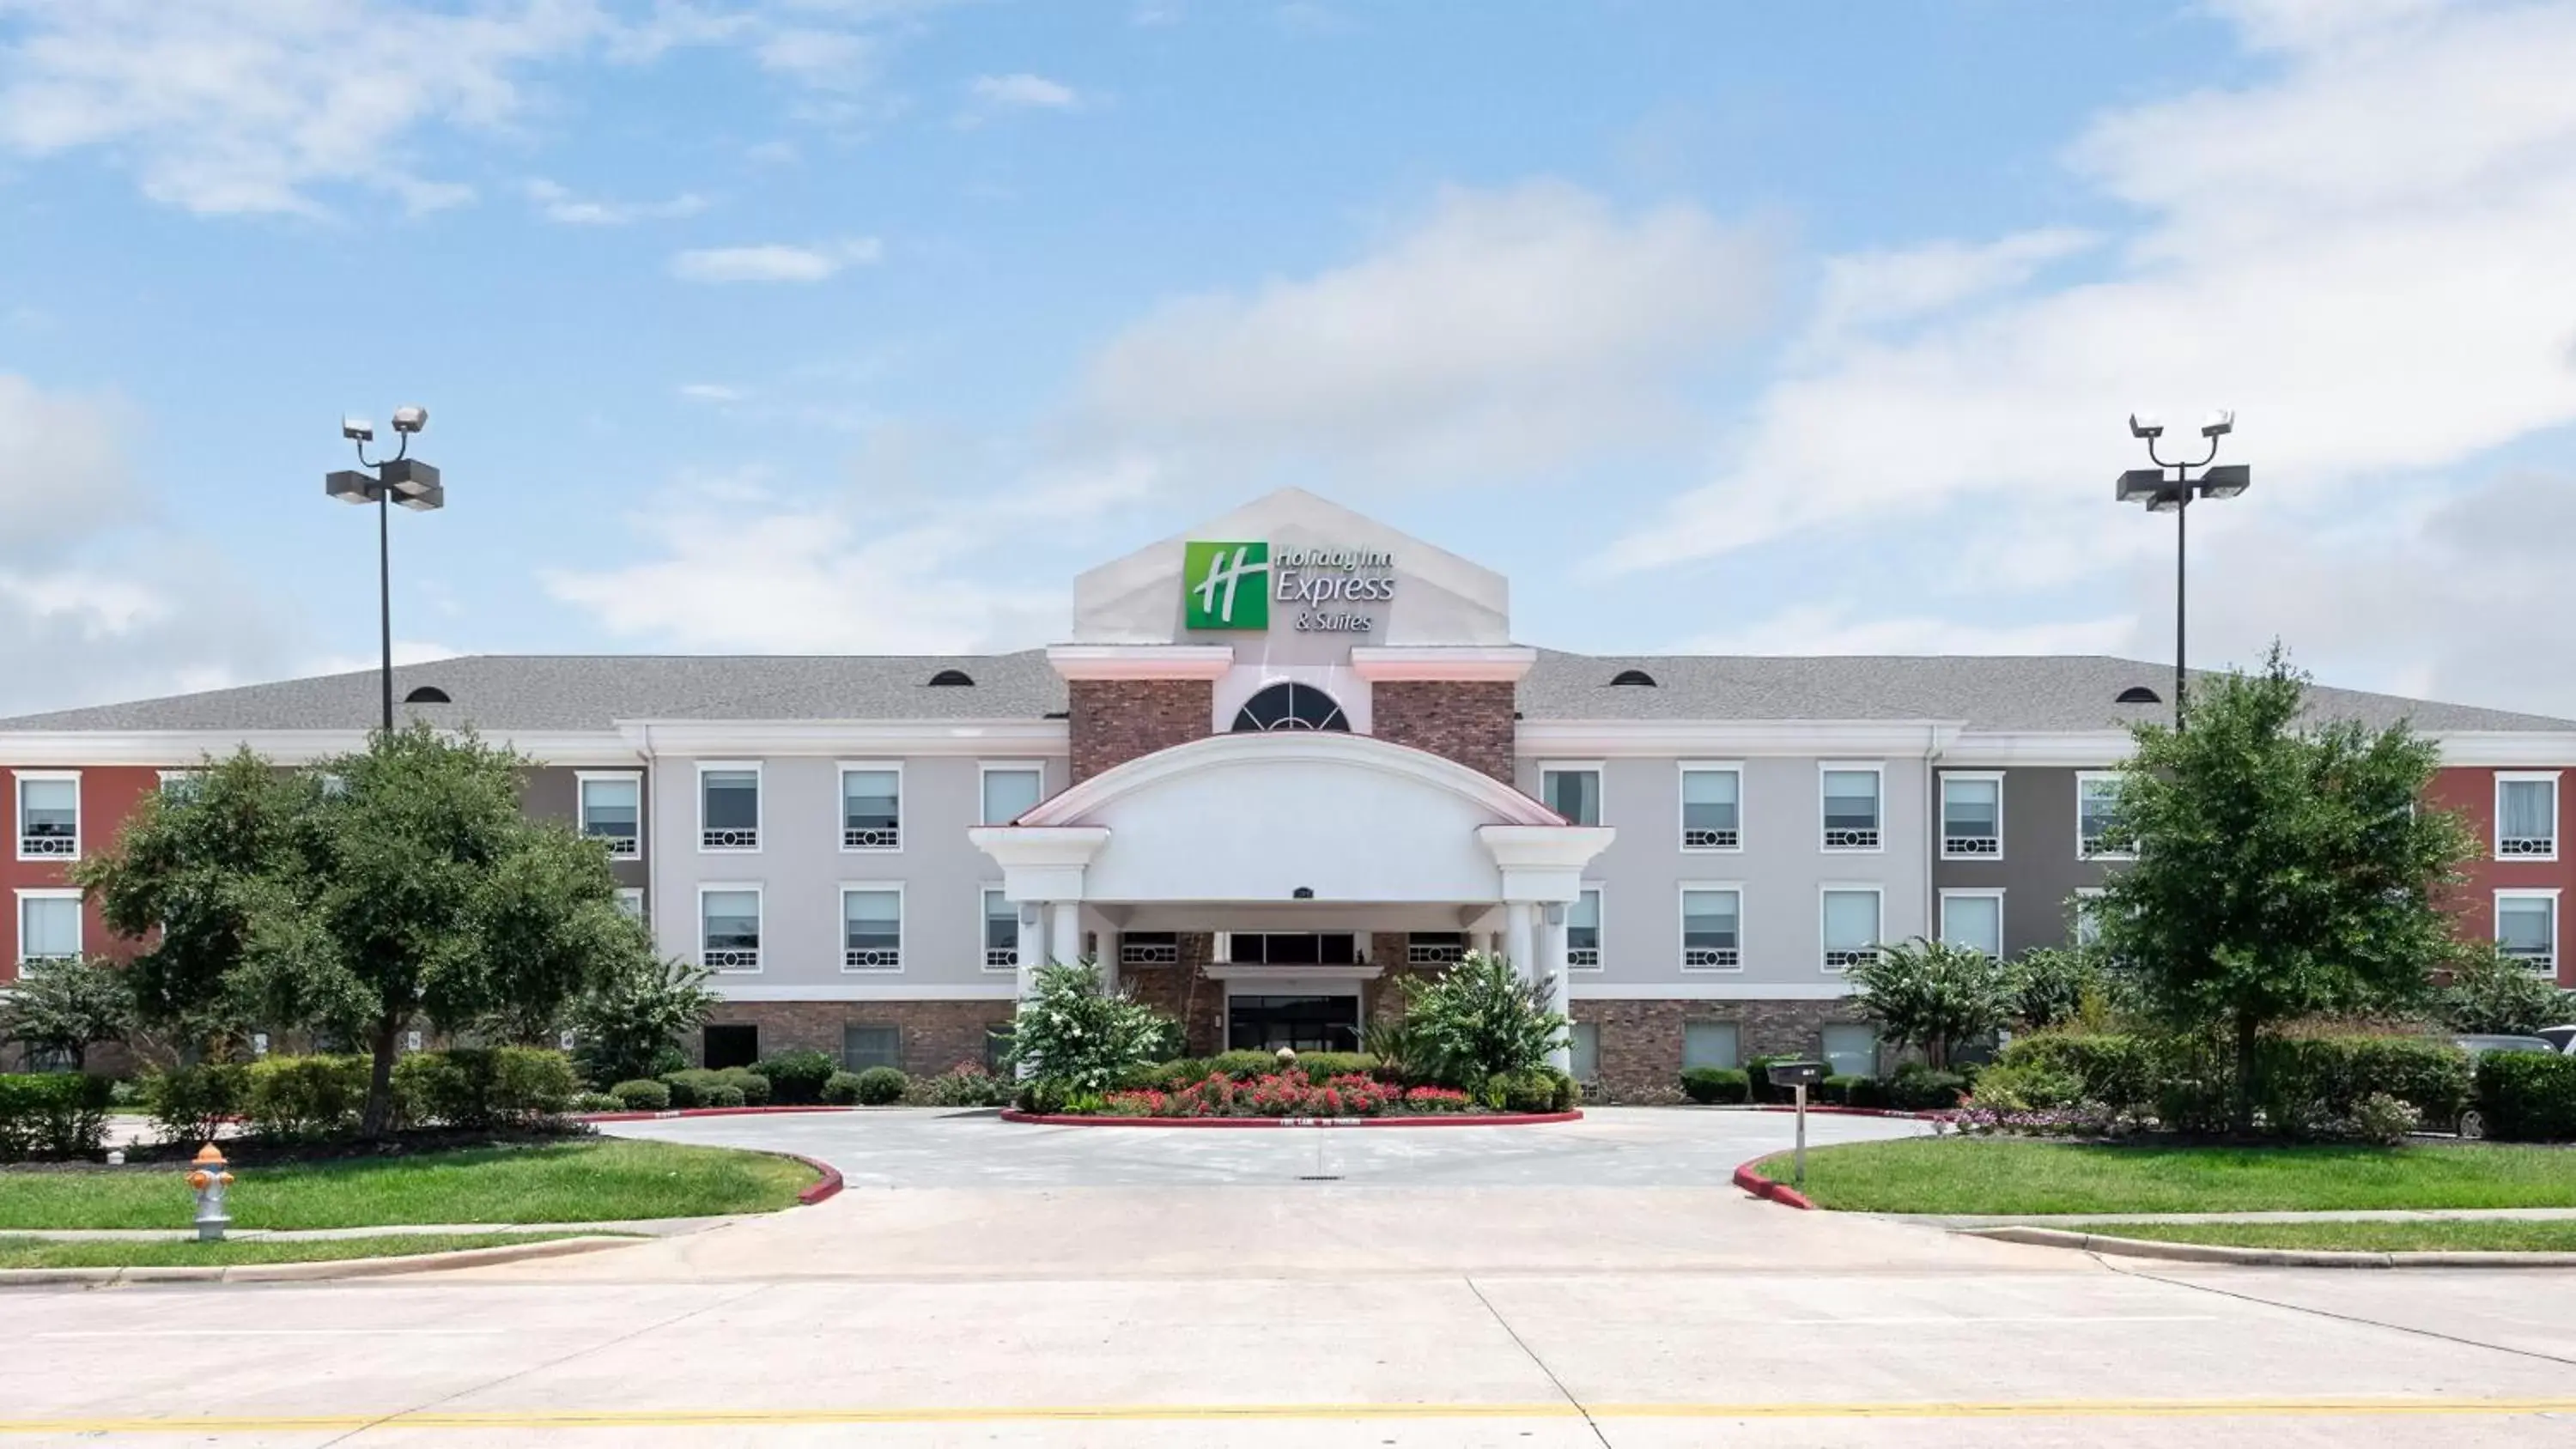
(1470, 721)
(1112, 721)
(1641, 1041)
(1184, 992)
(935, 1035)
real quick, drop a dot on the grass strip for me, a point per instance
(2511, 1235)
(109, 1253)
(1955, 1175)
(585, 1180)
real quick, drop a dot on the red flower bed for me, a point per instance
(1284, 1094)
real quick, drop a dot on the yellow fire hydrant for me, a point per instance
(208, 1177)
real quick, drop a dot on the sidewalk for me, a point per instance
(2352, 1215)
(644, 1227)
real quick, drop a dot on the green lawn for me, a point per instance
(592, 1180)
(2511, 1236)
(99, 1253)
(2003, 1175)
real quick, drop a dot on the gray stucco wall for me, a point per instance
(1782, 870)
(548, 792)
(2040, 868)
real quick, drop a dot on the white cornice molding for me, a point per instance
(1141, 661)
(2506, 748)
(706, 738)
(1582, 990)
(1497, 799)
(734, 990)
(2075, 749)
(171, 749)
(1720, 739)
(1503, 663)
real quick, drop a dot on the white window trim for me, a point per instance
(759, 807)
(18, 817)
(1681, 806)
(901, 945)
(983, 890)
(1600, 774)
(636, 894)
(2082, 777)
(841, 806)
(1601, 926)
(1681, 924)
(2525, 777)
(581, 806)
(1829, 888)
(2530, 893)
(984, 768)
(760, 900)
(1941, 807)
(2081, 906)
(1949, 894)
(80, 925)
(1874, 767)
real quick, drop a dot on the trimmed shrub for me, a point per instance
(51, 1114)
(753, 1086)
(722, 1094)
(966, 1084)
(1535, 1090)
(643, 1094)
(1918, 1088)
(190, 1104)
(304, 1097)
(1757, 1078)
(2315, 1085)
(690, 1085)
(587, 1102)
(796, 1078)
(2116, 1071)
(882, 1086)
(841, 1089)
(1864, 1092)
(1712, 1085)
(1044, 1098)
(2383, 1119)
(1322, 1067)
(2036, 1086)
(476, 1089)
(1240, 1066)
(2528, 1096)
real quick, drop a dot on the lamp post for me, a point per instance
(399, 479)
(2162, 494)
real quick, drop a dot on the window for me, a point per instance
(2526, 816)
(1851, 1050)
(49, 925)
(1288, 707)
(2527, 928)
(1712, 937)
(872, 928)
(1708, 1044)
(1712, 807)
(1974, 919)
(1291, 948)
(729, 928)
(1850, 926)
(1573, 791)
(2097, 800)
(1583, 931)
(1851, 807)
(728, 807)
(1149, 948)
(1439, 948)
(1972, 817)
(630, 899)
(1011, 791)
(181, 784)
(872, 807)
(724, 1045)
(1584, 1037)
(2087, 907)
(612, 811)
(864, 1046)
(48, 816)
(1001, 931)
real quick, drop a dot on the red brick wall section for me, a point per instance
(2471, 792)
(1184, 992)
(1469, 721)
(935, 1035)
(1641, 1041)
(108, 794)
(1112, 721)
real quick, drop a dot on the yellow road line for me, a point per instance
(531, 1419)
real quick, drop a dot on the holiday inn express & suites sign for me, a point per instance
(1231, 585)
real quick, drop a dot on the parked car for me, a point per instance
(2564, 1036)
(2473, 1122)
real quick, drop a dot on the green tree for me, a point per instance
(68, 1007)
(629, 1024)
(2050, 985)
(1072, 1033)
(1933, 995)
(1479, 1019)
(2492, 993)
(2282, 867)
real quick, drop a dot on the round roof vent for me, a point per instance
(951, 679)
(2140, 694)
(427, 694)
(1633, 678)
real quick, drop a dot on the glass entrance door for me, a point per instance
(1307, 1023)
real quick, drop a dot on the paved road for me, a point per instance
(986, 1284)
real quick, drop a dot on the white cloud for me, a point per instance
(1500, 333)
(1877, 289)
(62, 473)
(775, 262)
(1024, 92)
(2377, 286)
(827, 59)
(712, 392)
(556, 204)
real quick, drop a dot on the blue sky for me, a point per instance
(863, 325)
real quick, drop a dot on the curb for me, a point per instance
(2261, 1257)
(1779, 1192)
(829, 1185)
(700, 1112)
(312, 1272)
(1487, 1119)
(1816, 1111)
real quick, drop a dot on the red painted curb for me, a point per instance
(1485, 1119)
(698, 1112)
(1779, 1192)
(1845, 1111)
(828, 1186)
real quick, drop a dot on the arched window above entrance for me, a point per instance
(1290, 707)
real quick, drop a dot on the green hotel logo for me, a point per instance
(1225, 585)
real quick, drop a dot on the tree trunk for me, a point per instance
(1936, 1052)
(2245, 1030)
(377, 1117)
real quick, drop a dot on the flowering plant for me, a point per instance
(1438, 1099)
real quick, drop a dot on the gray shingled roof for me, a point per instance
(503, 692)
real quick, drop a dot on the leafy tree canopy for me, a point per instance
(68, 1007)
(1934, 995)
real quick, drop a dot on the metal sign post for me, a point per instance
(1798, 1077)
(1802, 1135)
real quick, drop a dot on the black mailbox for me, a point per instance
(1795, 1074)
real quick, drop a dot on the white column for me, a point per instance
(1518, 932)
(1109, 959)
(1032, 942)
(1551, 969)
(1066, 930)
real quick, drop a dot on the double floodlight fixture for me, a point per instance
(2169, 486)
(400, 479)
